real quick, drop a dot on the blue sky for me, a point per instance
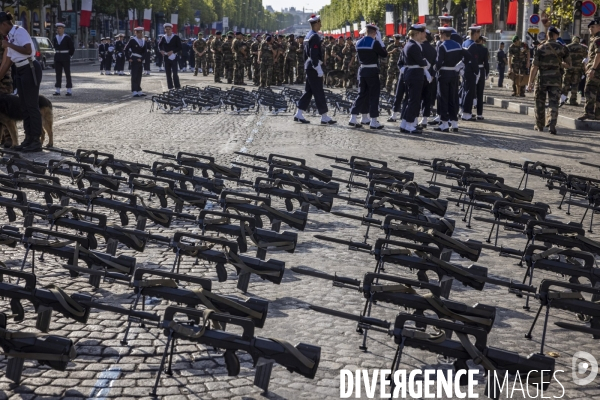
(278, 5)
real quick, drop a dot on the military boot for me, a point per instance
(196, 72)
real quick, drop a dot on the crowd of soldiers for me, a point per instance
(112, 55)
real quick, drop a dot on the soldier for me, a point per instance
(329, 57)
(338, 57)
(429, 88)
(383, 65)
(228, 57)
(159, 56)
(501, 57)
(170, 47)
(449, 55)
(137, 49)
(210, 60)
(393, 50)
(120, 55)
(200, 48)
(254, 50)
(290, 60)
(518, 64)
(592, 84)
(108, 56)
(472, 73)
(484, 73)
(573, 75)
(148, 54)
(248, 42)
(265, 57)
(280, 59)
(313, 56)
(64, 50)
(6, 87)
(415, 70)
(217, 50)
(239, 52)
(549, 59)
(300, 61)
(101, 54)
(369, 49)
(191, 55)
(349, 52)
(183, 57)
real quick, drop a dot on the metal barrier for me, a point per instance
(85, 55)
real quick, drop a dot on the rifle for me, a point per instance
(443, 225)
(449, 168)
(241, 202)
(79, 171)
(271, 270)
(92, 157)
(292, 173)
(54, 351)
(206, 163)
(167, 170)
(166, 287)
(571, 300)
(276, 187)
(437, 207)
(394, 186)
(21, 164)
(551, 173)
(580, 186)
(216, 221)
(297, 164)
(302, 358)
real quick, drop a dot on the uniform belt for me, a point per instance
(136, 55)
(412, 66)
(61, 51)
(369, 65)
(22, 63)
(448, 69)
(481, 66)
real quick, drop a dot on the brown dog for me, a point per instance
(11, 112)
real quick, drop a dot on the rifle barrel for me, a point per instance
(512, 225)
(365, 320)
(253, 167)
(346, 242)
(357, 218)
(163, 155)
(503, 249)
(418, 161)
(349, 199)
(336, 159)
(322, 275)
(589, 164)
(258, 158)
(61, 151)
(119, 310)
(510, 164)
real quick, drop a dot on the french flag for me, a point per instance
(86, 13)
(389, 19)
(132, 19)
(174, 18)
(147, 19)
(423, 10)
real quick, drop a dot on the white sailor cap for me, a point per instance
(372, 26)
(314, 18)
(446, 16)
(445, 28)
(475, 27)
(168, 25)
(138, 28)
(417, 27)
(363, 31)
(60, 25)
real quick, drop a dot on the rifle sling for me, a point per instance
(206, 296)
(477, 356)
(441, 307)
(308, 363)
(439, 337)
(190, 332)
(66, 301)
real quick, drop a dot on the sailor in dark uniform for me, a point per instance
(108, 56)
(447, 64)
(484, 72)
(170, 47)
(472, 72)
(414, 73)
(446, 20)
(137, 48)
(120, 55)
(369, 48)
(101, 54)
(148, 55)
(429, 89)
(64, 50)
(314, 75)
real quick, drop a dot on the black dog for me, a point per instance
(11, 112)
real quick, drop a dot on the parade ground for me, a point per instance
(101, 115)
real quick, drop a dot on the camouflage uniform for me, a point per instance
(572, 75)
(210, 61)
(518, 65)
(329, 59)
(239, 49)
(349, 53)
(254, 48)
(228, 60)
(336, 51)
(290, 62)
(392, 69)
(248, 44)
(592, 86)
(273, 77)
(6, 87)
(200, 60)
(300, 62)
(548, 57)
(279, 62)
(384, 68)
(217, 48)
(266, 64)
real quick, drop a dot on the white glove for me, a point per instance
(582, 76)
(428, 76)
(585, 60)
(172, 56)
(378, 36)
(428, 64)
(402, 70)
(477, 79)
(459, 66)
(487, 77)
(319, 70)
(99, 58)
(461, 72)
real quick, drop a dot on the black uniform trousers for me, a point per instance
(426, 94)
(137, 68)
(147, 61)
(468, 92)
(29, 94)
(414, 79)
(368, 93)
(62, 62)
(501, 69)
(120, 62)
(400, 92)
(159, 60)
(447, 102)
(182, 60)
(313, 87)
(479, 89)
(171, 68)
(108, 59)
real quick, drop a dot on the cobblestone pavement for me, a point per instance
(102, 116)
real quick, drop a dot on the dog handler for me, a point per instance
(20, 51)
